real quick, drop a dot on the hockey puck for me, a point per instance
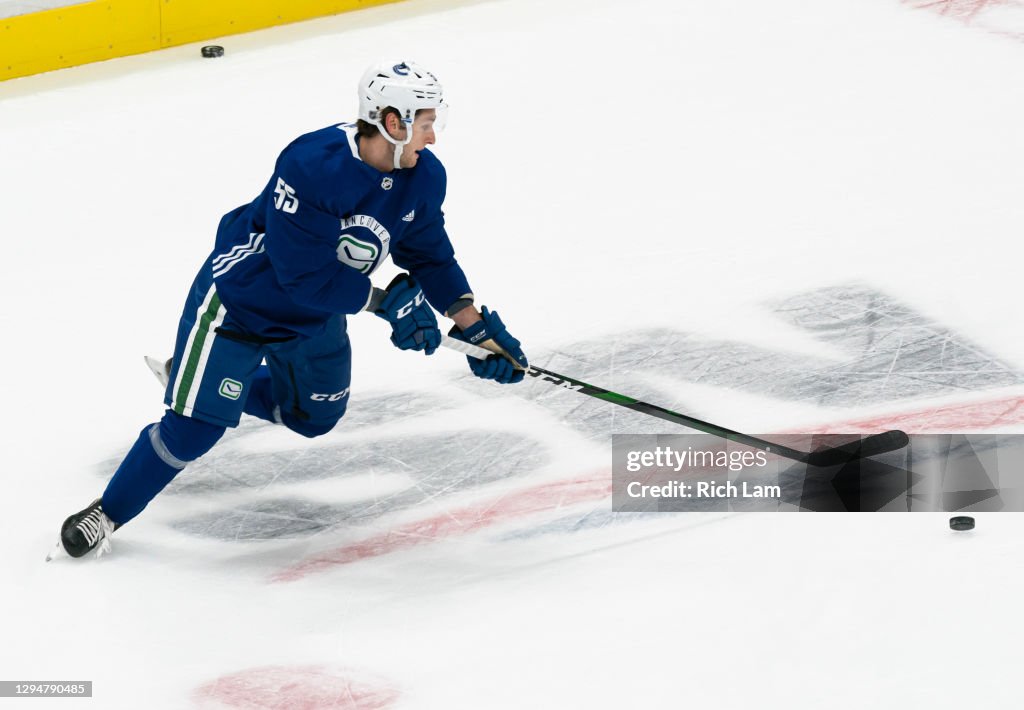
(212, 50)
(961, 522)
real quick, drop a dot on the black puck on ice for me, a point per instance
(961, 522)
(212, 50)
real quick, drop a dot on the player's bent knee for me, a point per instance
(309, 429)
(185, 438)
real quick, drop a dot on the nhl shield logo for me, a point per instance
(386, 183)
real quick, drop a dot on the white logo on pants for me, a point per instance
(330, 397)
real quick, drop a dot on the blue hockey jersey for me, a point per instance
(305, 248)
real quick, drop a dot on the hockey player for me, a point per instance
(263, 330)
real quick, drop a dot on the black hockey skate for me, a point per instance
(87, 530)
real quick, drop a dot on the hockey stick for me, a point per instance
(862, 448)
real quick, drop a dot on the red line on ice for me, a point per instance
(966, 10)
(975, 13)
(517, 504)
(958, 417)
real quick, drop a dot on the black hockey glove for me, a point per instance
(496, 367)
(413, 324)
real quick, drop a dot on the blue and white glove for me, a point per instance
(496, 367)
(413, 324)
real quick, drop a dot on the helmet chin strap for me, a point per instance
(399, 149)
(399, 146)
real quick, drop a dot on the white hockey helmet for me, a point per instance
(405, 87)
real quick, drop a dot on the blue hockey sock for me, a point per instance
(160, 452)
(138, 479)
(260, 400)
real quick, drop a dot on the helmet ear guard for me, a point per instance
(403, 86)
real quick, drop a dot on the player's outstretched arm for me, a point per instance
(486, 329)
(413, 324)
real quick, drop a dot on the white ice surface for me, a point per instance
(615, 169)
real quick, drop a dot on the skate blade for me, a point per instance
(57, 551)
(159, 369)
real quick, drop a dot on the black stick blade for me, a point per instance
(862, 448)
(885, 442)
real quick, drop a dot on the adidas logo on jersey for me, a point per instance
(409, 217)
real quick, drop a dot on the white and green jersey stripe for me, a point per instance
(197, 351)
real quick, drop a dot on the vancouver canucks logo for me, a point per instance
(363, 244)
